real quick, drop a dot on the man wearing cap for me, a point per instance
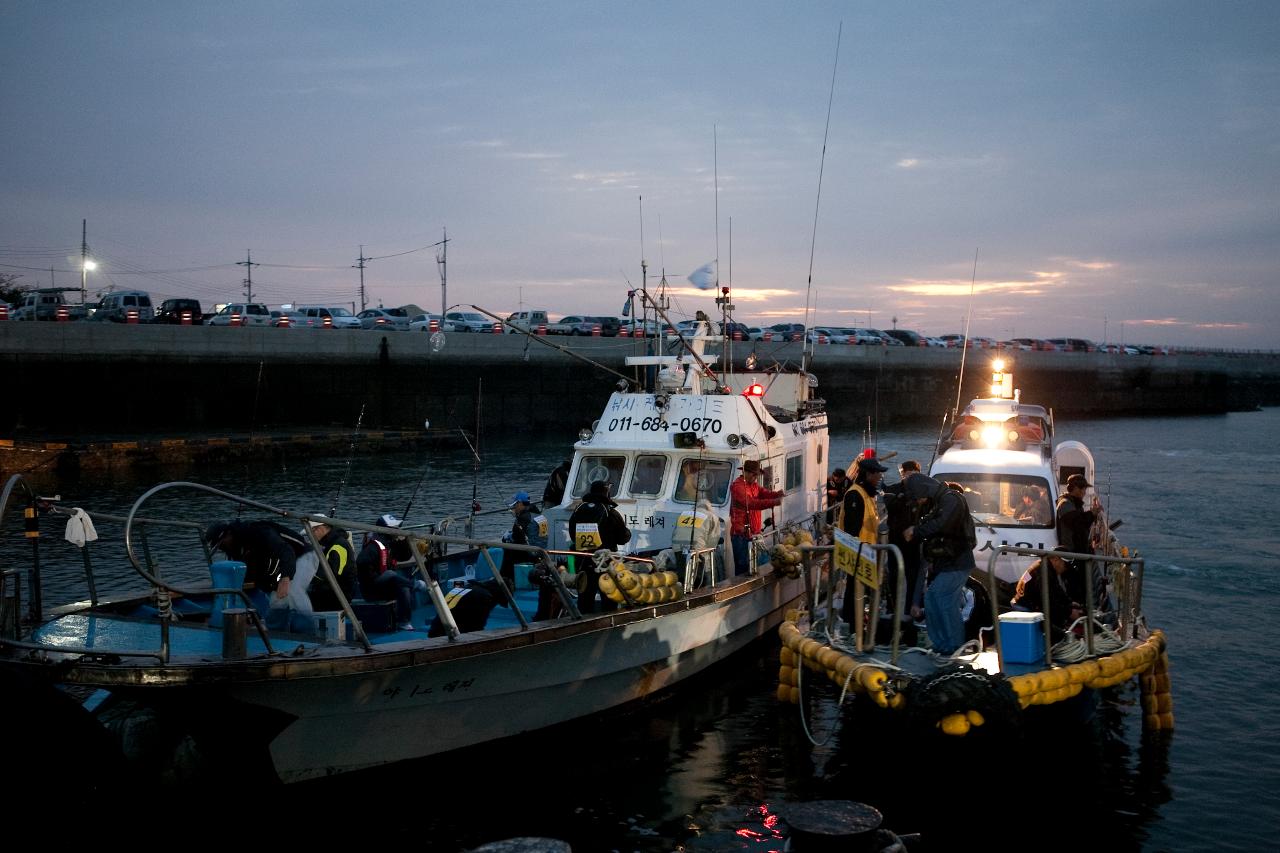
(858, 515)
(1066, 591)
(376, 567)
(530, 528)
(748, 498)
(594, 525)
(335, 544)
(1074, 520)
(837, 485)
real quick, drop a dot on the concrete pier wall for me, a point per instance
(89, 378)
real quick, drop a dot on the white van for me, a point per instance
(526, 320)
(251, 314)
(340, 318)
(115, 306)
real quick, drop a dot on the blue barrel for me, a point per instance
(225, 574)
(522, 575)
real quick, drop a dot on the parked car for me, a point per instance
(251, 314)
(574, 324)
(171, 312)
(609, 326)
(741, 328)
(422, 322)
(527, 321)
(832, 335)
(975, 341)
(40, 304)
(754, 333)
(935, 342)
(289, 318)
(1015, 346)
(1073, 344)
(907, 337)
(467, 321)
(786, 331)
(339, 318)
(395, 319)
(115, 306)
(1037, 344)
(886, 338)
(865, 337)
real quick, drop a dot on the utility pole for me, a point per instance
(359, 264)
(84, 256)
(442, 260)
(248, 265)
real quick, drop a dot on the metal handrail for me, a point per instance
(899, 598)
(1129, 628)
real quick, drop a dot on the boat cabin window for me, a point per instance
(647, 477)
(703, 479)
(795, 473)
(1005, 500)
(592, 468)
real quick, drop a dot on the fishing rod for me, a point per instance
(540, 339)
(942, 429)
(426, 425)
(475, 456)
(333, 511)
(807, 347)
(964, 345)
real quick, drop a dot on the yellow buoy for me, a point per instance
(975, 719)
(607, 586)
(955, 724)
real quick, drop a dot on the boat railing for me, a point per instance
(864, 629)
(1128, 595)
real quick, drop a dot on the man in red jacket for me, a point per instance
(744, 513)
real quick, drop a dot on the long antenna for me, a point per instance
(715, 170)
(808, 346)
(964, 350)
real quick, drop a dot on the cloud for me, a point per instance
(961, 288)
(907, 163)
(740, 294)
(1160, 321)
(1223, 325)
(983, 161)
(604, 179)
(1092, 266)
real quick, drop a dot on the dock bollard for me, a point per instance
(235, 632)
(831, 825)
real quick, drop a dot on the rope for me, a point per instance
(1072, 649)
(800, 668)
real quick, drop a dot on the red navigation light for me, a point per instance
(725, 291)
(868, 453)
(753, 390)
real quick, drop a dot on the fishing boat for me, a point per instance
(1002, 455)
(354, 691)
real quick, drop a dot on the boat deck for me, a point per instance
(138, 630)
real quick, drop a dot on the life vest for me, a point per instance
(342, 558)
(385, 560)
(870, 529)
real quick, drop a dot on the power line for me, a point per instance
(248, 264)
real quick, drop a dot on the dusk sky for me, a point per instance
(1113, 165)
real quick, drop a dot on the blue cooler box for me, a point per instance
(1022, 635)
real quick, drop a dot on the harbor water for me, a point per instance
(709, 767)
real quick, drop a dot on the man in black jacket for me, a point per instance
(594, 525)
(947, 540)
(902, 514)
(270, 553)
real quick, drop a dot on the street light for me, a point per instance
(88, 264)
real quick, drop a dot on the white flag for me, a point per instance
(704, 277)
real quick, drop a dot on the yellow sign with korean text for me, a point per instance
(855, 558)
(587, 537)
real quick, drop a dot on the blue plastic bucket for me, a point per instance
(225, 574)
